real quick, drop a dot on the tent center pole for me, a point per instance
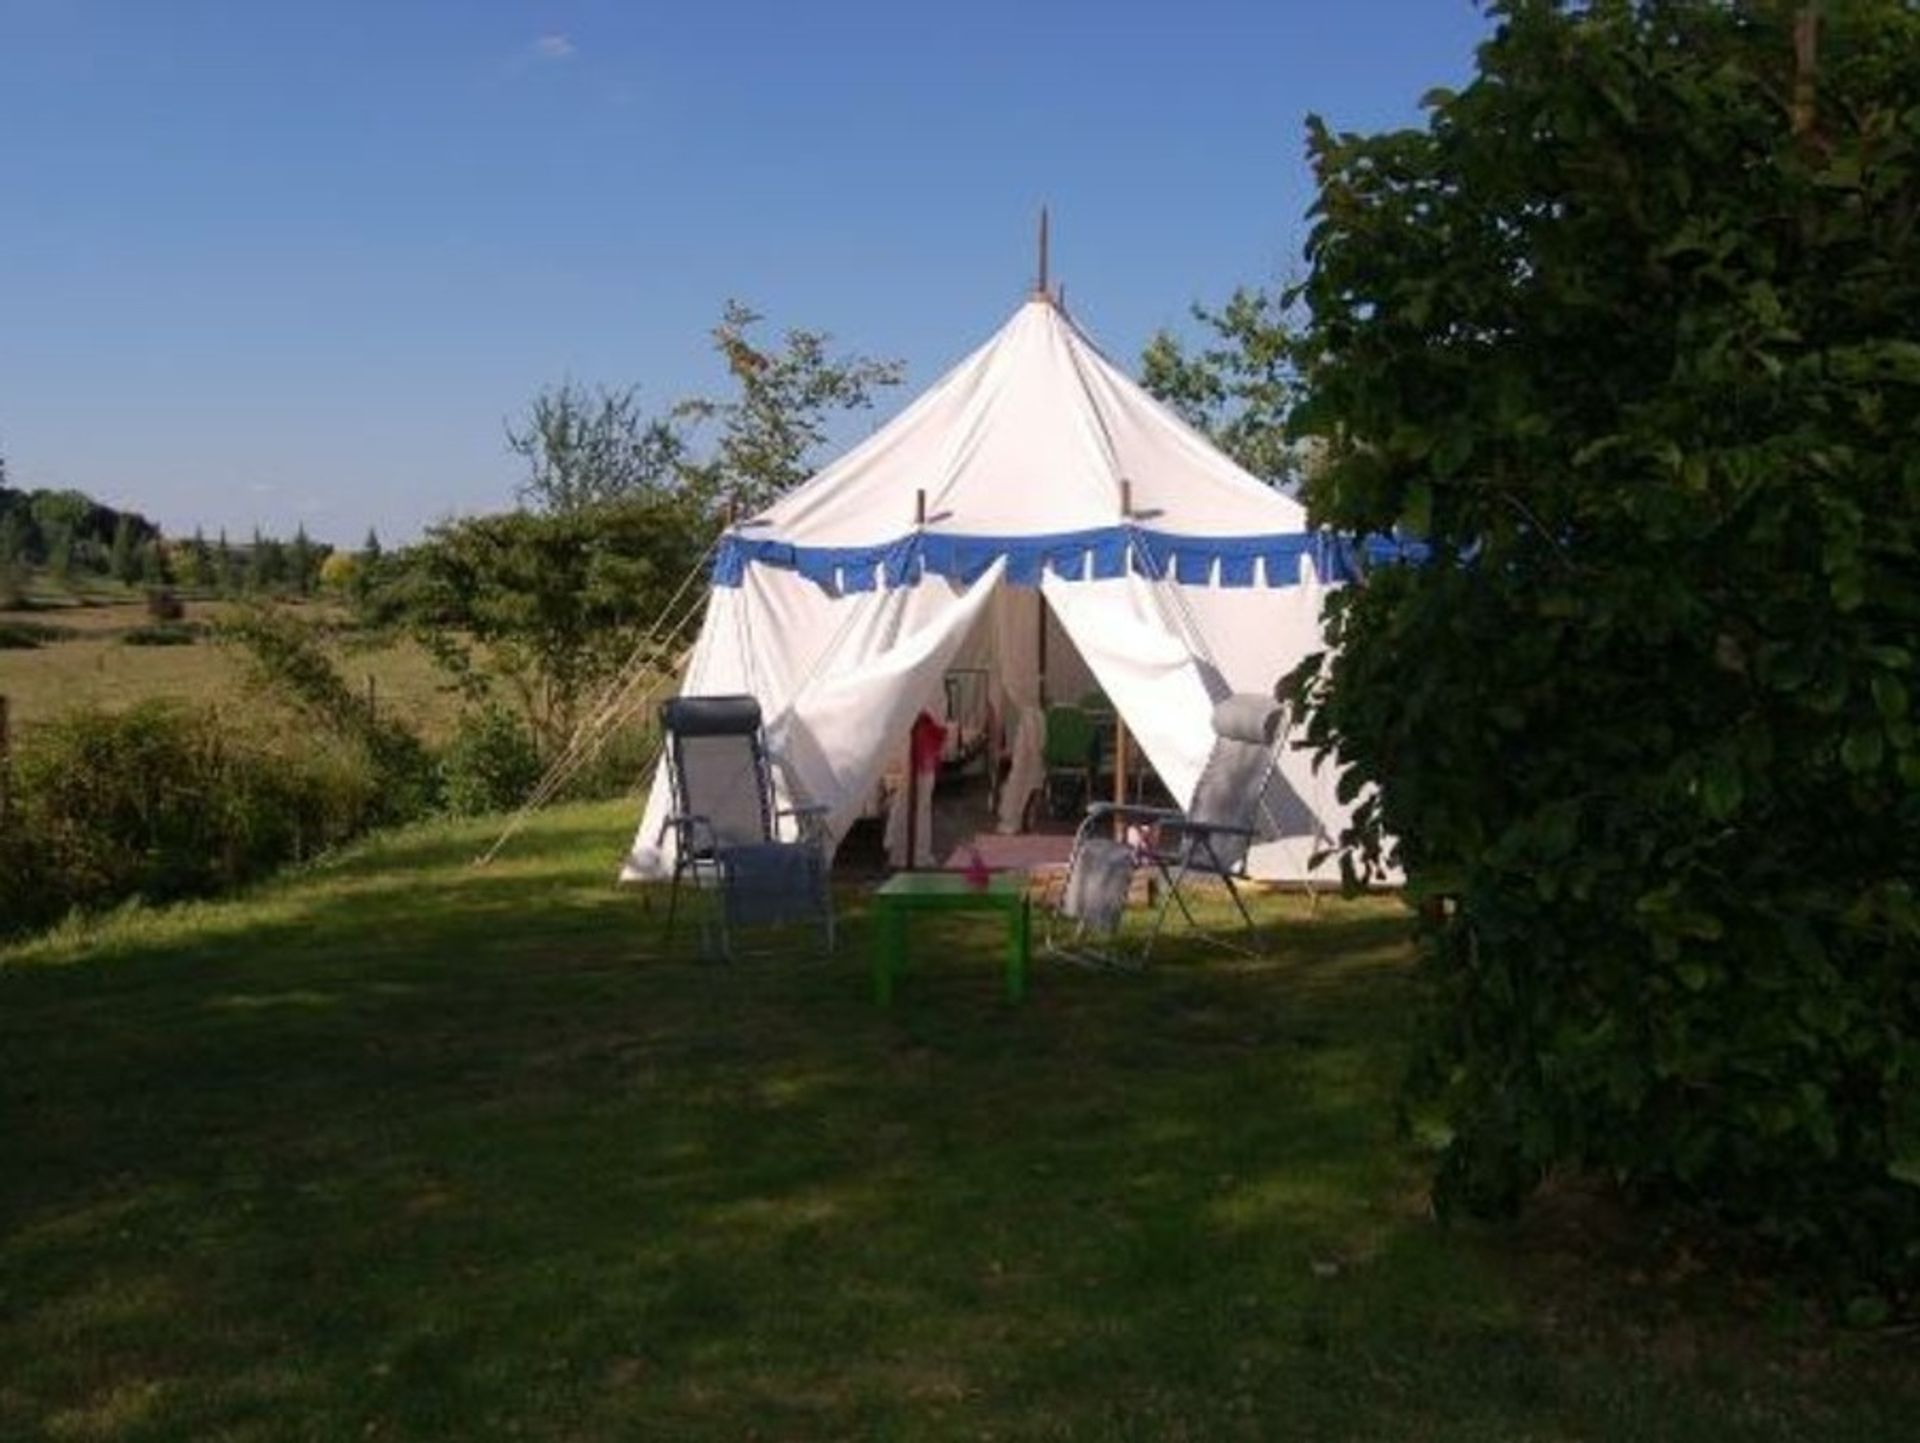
(1040, 645)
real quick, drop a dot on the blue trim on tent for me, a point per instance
(1097, 554)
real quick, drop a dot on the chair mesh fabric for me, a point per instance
(1096, 890)
(771, 882)
(723, 778)
(1233, 779)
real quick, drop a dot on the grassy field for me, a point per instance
(397, 1149)
(90, 663)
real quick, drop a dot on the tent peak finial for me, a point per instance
(1040, 288)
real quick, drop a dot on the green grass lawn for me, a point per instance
(397, 1149)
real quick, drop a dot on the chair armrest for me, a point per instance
(1200, 835)
(811, 819)
(1224, 829)
(1101, 811)
(1106, 812)
(687, 827)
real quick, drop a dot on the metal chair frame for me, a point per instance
(1179, 847)
(703, 855)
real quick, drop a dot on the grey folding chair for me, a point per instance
(727, 825)
(1209, 838)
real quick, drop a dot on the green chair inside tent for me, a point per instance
(1071, 751)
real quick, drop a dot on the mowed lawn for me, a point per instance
(398, 1149)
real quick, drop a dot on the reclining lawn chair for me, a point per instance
(1208, 839)
(727, 828)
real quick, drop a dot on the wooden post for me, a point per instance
(920, 508)
(1806, 64)
(1120, 722)
(1040, 284)
(1040, 646)
(373, 714)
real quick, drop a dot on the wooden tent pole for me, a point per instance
(913, 771)
(1119, 721)
(1040, 284)
(1040, 645)
(1806, 65)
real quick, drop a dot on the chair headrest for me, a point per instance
(1248, 717)
(710, 716)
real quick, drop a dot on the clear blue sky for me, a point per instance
(296, 261)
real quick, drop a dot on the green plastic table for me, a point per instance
(910, 892)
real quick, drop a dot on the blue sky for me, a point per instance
(270, 263)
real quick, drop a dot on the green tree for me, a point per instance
(226, 567)
(587, 448)
(772, 429)
(266, 564)
(549, 604)
(124, 561)
(13, 559)
(196, 563)
(13, 536)
(1624, 333)
(303, 561)
(68, 511)
(340, 573)
(60, 555)
(1237, 389)
(152, 564)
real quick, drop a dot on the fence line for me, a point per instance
(6, 763)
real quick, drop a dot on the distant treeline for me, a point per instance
(69, 531)
(70, 537)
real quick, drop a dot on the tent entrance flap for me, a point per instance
(872, 659)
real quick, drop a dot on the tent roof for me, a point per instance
(1030, 436)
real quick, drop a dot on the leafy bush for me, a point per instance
(1628, 341)
(25, 899)
(621, 765)
(25, 635)
(163, 801)
(490, 765)
(162, 634)
(290, 665)
(163, 604)
(546, 608)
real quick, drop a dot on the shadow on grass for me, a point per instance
(410, 1149)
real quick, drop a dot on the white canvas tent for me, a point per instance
(1035, 473)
